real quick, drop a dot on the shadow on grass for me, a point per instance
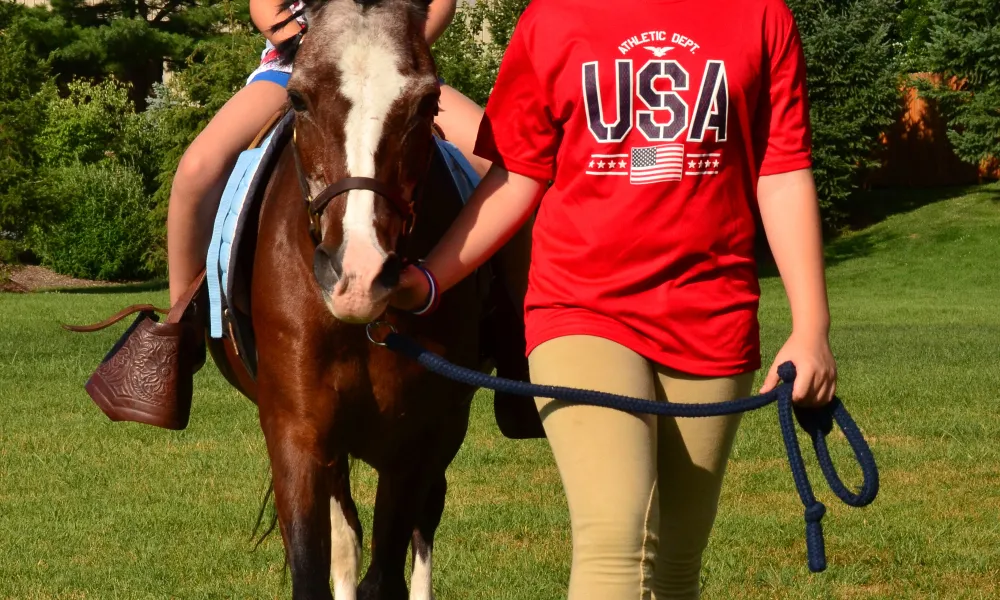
(874, 206)
(114, 288)
(870, 208)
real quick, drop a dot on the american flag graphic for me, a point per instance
(657, 163)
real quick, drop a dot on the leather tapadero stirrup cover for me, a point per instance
(148, 375)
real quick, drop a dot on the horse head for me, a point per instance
(365, 93)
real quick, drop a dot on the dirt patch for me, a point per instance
(31, 278)
(6, 283)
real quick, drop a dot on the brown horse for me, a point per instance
(365, 93)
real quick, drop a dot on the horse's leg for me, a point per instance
(302, 495)
(345, 529)
(397, 500)
(421, 587)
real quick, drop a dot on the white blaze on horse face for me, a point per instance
(369, 62)
(345, 555)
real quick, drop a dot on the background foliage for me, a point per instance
(853, 81)
(82, 94)
(963, 45)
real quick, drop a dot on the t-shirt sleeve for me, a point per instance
(517, 131)
(785, 143)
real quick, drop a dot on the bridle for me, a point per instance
(318, 204)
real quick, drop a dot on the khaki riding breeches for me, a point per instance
(642, 490)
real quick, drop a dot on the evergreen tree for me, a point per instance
(22, 107)
(131, 40)
(964, 47)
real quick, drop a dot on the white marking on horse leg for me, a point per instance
(421, 587)
(345, 555)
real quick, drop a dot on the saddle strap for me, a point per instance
(173, 315)
(267, 128)
(130, 310)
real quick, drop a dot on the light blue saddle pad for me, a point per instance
(247, 179)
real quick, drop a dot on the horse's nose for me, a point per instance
(327, 267)
(388, 277)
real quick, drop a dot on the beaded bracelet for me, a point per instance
(434, 297)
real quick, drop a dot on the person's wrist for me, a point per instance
(433, 297)
(812, 327)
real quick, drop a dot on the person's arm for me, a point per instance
(502, 202)
(439, 16)
(265, 14)
(790, 212)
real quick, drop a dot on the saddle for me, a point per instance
(147, 376)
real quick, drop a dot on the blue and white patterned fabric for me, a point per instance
(466, 178)
(245, 178)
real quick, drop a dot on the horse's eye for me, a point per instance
(298, 102)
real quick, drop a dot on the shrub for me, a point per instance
(94, 123)
(104, 232)
(23, 96)
(964, 47)
(853, 78)
(468, 54)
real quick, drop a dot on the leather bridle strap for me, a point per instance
(317, 205)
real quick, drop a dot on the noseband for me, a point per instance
(317, 205)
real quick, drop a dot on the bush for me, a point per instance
(104, 232)
(23, 96)
(854, 92)
(94, 123)
(468, 54)
(964, 47)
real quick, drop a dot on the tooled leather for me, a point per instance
(144, 370)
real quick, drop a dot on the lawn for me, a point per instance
(94, 509)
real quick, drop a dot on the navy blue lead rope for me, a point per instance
(817, 422)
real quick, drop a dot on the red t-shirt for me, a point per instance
(654, 120)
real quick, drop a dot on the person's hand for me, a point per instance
(412, 292)
(815, 368)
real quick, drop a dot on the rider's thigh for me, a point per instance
(459, 119)
(228, 133)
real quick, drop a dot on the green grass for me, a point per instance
(92, 509)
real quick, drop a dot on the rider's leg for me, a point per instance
(201, 176)
(459, 118)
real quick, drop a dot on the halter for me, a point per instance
(317, 205)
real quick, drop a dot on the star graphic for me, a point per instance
(715, 163)
(691, 164)
(621, 164)
(701, 164)
(601, 164)
(591, 165)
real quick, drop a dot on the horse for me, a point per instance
(351, 200)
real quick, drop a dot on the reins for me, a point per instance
(816, 422)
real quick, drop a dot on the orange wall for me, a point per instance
(917, 152)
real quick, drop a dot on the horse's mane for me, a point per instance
(287, 48)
